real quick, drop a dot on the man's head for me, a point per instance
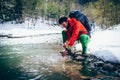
(63, 21)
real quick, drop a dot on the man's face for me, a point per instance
(65, 24)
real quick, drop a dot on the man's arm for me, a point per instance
(74, 36)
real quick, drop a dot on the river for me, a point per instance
(29, 59)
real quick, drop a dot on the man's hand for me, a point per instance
(66, 45)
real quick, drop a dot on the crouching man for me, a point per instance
(75, 31)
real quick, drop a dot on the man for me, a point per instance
(75, 31)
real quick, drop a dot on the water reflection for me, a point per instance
(85, 70)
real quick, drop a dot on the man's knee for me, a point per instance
(84, 39)
(64, 32)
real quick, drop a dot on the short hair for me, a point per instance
(62, 19)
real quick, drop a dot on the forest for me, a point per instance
(104, 13)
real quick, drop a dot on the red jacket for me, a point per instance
(74, 31)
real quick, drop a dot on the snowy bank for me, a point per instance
(106, 44)
(28, 29)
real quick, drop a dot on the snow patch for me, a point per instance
(28, 29)
(106, 55)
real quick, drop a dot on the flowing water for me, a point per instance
(31, 58)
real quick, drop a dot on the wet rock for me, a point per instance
(108, 67)
(103, 72)
(119, 74)
(115, 73)
(99, 64)
(86, 79)
(118, 70)
(106, 78)
(91, 66)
